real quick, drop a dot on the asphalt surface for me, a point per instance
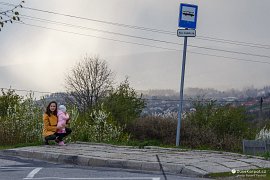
(20, 168)
(168, 160)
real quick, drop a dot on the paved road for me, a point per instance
(16, 168)
(165, 160)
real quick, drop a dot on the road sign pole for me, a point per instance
(187, 20)
(181, 93)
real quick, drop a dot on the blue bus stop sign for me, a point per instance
(188, 16)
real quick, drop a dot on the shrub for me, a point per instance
(153, 128)
(210, 126)
(218, 127)
(123, 104)
(22, 121)
(264, 134)
(97, 128)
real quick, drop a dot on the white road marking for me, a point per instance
(33, 173)
(15, 167)
(115, 178)
(36, 170)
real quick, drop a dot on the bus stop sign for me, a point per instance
(188, 16)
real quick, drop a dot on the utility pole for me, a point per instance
(260, 114)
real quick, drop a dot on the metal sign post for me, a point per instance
(187, 20)
(181, 93)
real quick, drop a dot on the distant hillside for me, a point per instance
(210, 93)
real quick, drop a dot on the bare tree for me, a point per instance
(10, 15)
(88, 81)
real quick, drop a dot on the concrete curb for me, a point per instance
(166, 160)
(106, 162)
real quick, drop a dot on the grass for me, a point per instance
(6, 147)
(266, 155)
(140, 144)
(260, 174)
(2, 147)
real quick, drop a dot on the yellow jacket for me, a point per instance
(49, 124)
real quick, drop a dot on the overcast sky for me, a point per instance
(37, 58)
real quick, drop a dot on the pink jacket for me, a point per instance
(62, 119)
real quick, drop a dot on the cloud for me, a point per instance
(162, 70)
(43, 56)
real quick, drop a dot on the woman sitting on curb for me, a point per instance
(50, 125)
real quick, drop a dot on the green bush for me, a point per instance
(156, 128)
(8, 101)
(123, 104)
(218, 127)
(96, 127)
(22, 121)
(210, 127)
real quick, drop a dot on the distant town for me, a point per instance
(166, 102)
(163, 102)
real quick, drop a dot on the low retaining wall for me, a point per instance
(255, 147)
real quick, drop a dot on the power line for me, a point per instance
(148, 99)
(94, 29)
(12, 9)
(5, 17)
(235, 43)
(220, 40)
(139, 37)
(241, 43)
(196, 100)
(90, 19)
(99, 37)
(99, 30)
(155, 30)
(229, 51)
(230, 58)
(30, 91)
(141, 44)
(153, 40)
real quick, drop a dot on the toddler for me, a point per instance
(63, 117)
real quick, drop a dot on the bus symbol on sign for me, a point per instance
(188, 16)
(188, 13)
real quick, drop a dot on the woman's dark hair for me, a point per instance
(48, 111)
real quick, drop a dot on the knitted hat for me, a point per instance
(62, 108)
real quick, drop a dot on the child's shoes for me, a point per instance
(61, 143)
